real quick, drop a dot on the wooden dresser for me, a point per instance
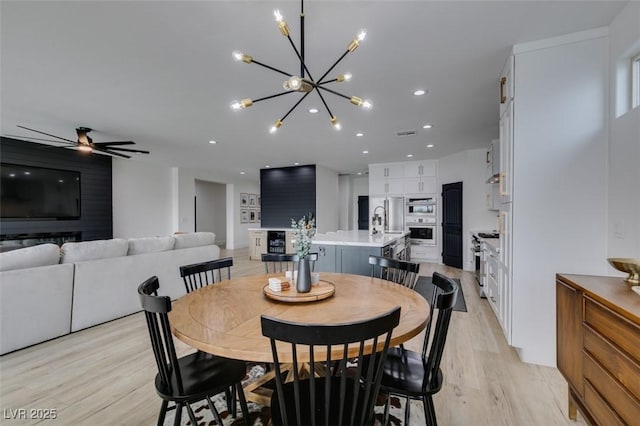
(598, 347)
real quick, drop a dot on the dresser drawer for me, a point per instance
(616, 396)
(599, 409)
(619, 365)
(615, 328)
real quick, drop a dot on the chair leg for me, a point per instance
(387, 403)
(243, 404)
(429, 410)
(192, 415)
(214, 412)
(163, 412)
(178, 418)
(230, 397)
(407, 412)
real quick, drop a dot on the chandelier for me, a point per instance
(303, 83)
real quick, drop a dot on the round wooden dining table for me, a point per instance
(224, 318)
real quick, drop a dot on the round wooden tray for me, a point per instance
(323, 290)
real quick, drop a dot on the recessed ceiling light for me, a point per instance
(313, 110)
(365, 152)
(212, 142)
(242, 173)
(420, 92)
(430, 145)
(296, 164)
(12, 175)
(27, 173)
(359, 173)
(409, 155)
(267, 166)
(360, 134)
(427, 126)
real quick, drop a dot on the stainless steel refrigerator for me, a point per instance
(386, 214)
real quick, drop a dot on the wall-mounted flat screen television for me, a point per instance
(28, 192)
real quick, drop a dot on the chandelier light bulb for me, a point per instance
(275, 126)
(85, 148)
(343, 77)
(335, 123)
(367, 104)
(277, 15)
(362, 35)
(239, 56)
(245, 103)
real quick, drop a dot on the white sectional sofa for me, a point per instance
(47, 291)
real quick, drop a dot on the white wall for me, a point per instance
(327, 200)
(623, 228)
(211, 209)
(238, 233)
(142, 199)
(345, 206)
(467, 167)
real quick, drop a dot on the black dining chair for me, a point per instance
(276, 263)
(417, 375)
(328, 399)
(399, 271)
(191, 378)
(202, 274)
(198, 275)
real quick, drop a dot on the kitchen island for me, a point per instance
(349, 251)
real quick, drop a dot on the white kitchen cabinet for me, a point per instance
(257, 244)
(420, 177)
(507, 84)
(417, 169)
(424, 185)
(386, 179)
(505, 184)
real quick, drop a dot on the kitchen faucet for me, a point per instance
(378, 218)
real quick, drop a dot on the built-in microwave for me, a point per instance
(423, 235)
(421, 206)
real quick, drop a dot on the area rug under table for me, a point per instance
(259, 415)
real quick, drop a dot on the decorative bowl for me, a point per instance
(628, 265)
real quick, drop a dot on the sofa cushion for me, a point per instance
(91, 250)
(30, 257)
(194, 239)
(150, 245)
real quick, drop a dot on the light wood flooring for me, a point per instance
(104, 375)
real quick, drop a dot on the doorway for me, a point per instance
(452, 224)
(363, 212)
(210, 209)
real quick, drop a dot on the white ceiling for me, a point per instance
(161, 73)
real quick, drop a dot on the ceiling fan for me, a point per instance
(86, 144)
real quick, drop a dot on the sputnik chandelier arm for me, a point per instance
(304, 83)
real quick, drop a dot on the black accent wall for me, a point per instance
(286, 193)
(96, 220)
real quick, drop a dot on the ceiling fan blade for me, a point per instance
(124, 149)
(40, 139)
(108, 151)
(47, 134)
(114, 143)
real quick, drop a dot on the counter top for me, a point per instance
(269, 229)
(357, 238)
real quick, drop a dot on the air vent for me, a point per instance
(406, 133)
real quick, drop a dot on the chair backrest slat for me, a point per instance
(202, 274)
(398, 271)
(345, 401)
(279, 263)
